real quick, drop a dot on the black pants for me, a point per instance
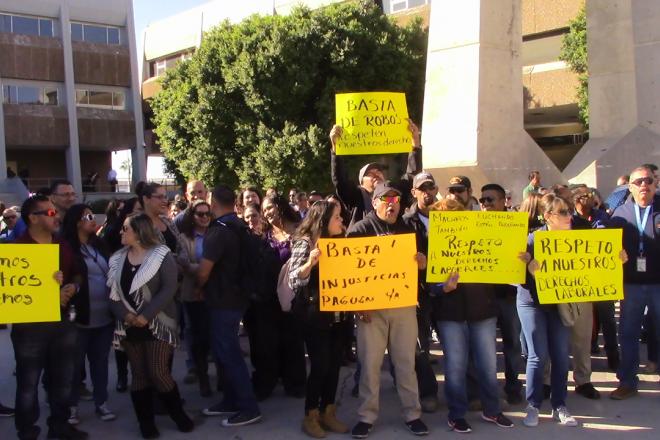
(200, 326)
(325, 348)
(48, 347)
(277, 349)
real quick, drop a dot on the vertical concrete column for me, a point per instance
(73, 151)
(473, 102)
(3, 145)
(623, 42)
(138, 155)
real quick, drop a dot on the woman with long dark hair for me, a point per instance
(142, 279)
(195, 223)
(94, 336)
(323, 331)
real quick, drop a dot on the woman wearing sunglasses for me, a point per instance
(142, 279)
(194, 225)
(95, 336)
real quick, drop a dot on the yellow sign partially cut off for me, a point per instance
(29, 293)
(368, 273)
(482, 247)
(578, 265)
(373, 123)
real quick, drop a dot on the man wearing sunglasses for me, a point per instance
(640, 220)
(394, 329)
(357, 199)
(9, 217)
(493, 198)
(460, 189)
(46, 346)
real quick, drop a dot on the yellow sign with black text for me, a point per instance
(578, 265)
(373, 123)
(368, 273)
(29, 290)
(481, 246)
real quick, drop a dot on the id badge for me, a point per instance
(641, 264)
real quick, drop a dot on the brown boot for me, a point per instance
(329, 421)
(310, 424)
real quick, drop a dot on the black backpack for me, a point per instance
(259, 265)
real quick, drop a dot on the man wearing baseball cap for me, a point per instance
(394, 329)
(424, 192)
(357, 198)
(460, 189)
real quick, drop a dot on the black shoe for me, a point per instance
(174, 407)
(587, 390)
(361, 430)
(547, 390)
(242, 418)
(67, 432)
(6, 411)
(417, 427)
(459, 425)
(122, 384)
(219, 410)
(143, 404)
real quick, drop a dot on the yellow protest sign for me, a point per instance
(368, 273)
(29, 291)
(373, 122)
(483, 247)
(578, 265)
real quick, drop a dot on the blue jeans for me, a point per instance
(636, 298)
(547, 340)
(460, 339)
(238, 392)
(48, 348)
(94, 343)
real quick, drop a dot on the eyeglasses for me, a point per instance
(46, 212)
(486, 200)
(562, 213)
(88, 217)
(390, 199)
(643, 180)
(202, 214)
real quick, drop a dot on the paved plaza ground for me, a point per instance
(637, 418)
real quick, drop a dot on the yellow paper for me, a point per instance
(373, 122)
(29, 291)
(483, 247)
(578, 265)
(369, 273)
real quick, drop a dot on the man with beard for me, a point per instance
(391, 329)
(424, 192)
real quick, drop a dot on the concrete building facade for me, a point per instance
(70, 90)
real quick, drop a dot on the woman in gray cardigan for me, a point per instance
(142, 281)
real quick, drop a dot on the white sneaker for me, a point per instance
(532, 416)
(104, 413)
(565, 418)
(73, 416)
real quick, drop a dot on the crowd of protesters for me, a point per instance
(161, 274)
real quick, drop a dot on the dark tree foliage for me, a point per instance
(255, 102)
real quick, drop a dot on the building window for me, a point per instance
(20, 24)
(29, 95)
(159, 67)
(94, 33)
(401, 5)
(100, 99)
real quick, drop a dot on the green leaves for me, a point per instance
(574, 53)
(256, 101)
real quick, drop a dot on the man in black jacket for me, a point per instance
(357, 198)
(416, 217)
(640, 220)
(391, 329)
